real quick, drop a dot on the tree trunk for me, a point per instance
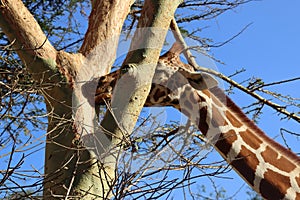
(72, 170)
(68, 169)
(138, 69)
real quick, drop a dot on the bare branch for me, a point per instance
(30, 41)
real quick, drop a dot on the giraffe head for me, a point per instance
(173, 78)
(266, 166)
(171, 75)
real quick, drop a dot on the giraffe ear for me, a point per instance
(199, 81)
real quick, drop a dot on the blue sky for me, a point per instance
(268, 45)
(269, 49)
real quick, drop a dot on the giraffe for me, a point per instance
(269, 168)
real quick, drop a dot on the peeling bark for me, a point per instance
(105, 21)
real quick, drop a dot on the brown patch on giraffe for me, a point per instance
(202, 124)
(297, 196)
(201, 99)
(246, 163)
(158, 93)
(233, 120)
(207, 93)
(105, 87)
(274, 185)
(217, 101)
(282, 163)
(252, 140)
(298, 179)
(183, 96)
(174, 102)
(217, 118)
(188, 105)
(225, 141)
(194, 98)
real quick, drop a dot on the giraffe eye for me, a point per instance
(102, 78)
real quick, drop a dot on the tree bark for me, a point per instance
(93, 179)
(138, 69)
(68, 169)
(27, 38)
(71, 169)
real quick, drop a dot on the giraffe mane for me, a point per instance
(218, 93)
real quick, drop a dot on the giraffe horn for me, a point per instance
(199, 80)
(177, 48)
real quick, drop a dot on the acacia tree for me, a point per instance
(67, 82)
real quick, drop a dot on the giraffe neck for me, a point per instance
(266, 166)
(269, 168)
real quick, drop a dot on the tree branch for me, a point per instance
(133, 88)
(191, 61)
(28, 39)
(105, 14)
